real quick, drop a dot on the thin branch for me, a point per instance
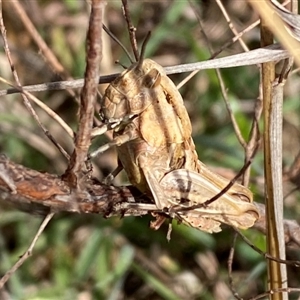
(131, 29)
(40, 193)
(294, 263)
(231, 26)
(229, 265)
(253, 57)
(46, 51)
(44, 107)
(237, 37)
(28, 253)
(19, 86)
(88, 95)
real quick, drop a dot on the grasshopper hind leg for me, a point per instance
(153, 183)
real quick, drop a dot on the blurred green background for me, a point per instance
(87, 257)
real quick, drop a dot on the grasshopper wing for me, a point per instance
(186, 189)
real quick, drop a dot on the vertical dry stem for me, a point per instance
(88, 95)
(272, 100)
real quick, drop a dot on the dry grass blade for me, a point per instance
(291, 19)
(257, 56)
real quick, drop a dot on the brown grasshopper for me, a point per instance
(152, 132)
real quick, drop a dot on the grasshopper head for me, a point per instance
(129, 94)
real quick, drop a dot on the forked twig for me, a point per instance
(76, 168)
(237, 37)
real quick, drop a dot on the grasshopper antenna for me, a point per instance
(117, 62)
(117, 41)
(142, 55)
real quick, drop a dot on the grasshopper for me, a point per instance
(152, 132)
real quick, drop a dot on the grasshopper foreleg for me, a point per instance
(119, 140)
(128, 135)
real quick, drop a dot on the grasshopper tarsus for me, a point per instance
(110, 177)
(159, 220)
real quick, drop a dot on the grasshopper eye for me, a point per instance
(152, 79)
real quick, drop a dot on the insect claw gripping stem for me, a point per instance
(110, 177)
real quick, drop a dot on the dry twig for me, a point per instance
(76, 167)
